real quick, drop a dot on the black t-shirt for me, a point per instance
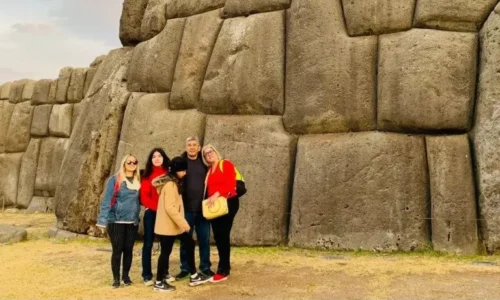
(194, 185)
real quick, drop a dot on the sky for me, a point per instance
(40, 37)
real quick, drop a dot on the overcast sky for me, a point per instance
(39, 37)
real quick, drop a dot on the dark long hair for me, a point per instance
(149, 163)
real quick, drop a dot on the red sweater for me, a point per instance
(223, 182)
(149, 196)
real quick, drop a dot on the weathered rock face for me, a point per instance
(28, 90)
(154, 19)
(52, 152)
(5, 91)
(10, 234)
(8, 189)
(91, 154)
(27, 174)
(39, 204)
(198, 40)
(6, 110)
(153, 62)
(60, 120)
(130, 22)
(18, 134)
(148, 123)
(88, 80)
(376, 17)
(453, 210)
(419, 96)
(323, 94)
(40, 122)
(52, 91)
(458, 15)
(16, 91)
(246, 71)
(186, 8)
(77, 111)
(235, 8)
(63, 82)
(360, 191)
(486, 133)
(77, 83)
(41, 92)
(264, 153)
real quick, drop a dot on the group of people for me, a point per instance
(171, 192)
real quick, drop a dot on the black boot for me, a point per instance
(116, 282)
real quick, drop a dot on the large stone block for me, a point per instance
(486, 133)
(92, 148)
(97, 61)
(39, 204)
(376, 17)
(264, 153)
(360, 191)
(235, 8)
(148, 123)
(198, 40)
(453, 203)
(52, 92)
(153, 62)
(16, 91)
(40, 122)
(415, 94)
(28, 90)
(27, 174)
(130, 21)
(330, 77)
(52, 151)
(41, 92)
(60, 120)
(10, 234)
(18, 133)
(10, 163)
(457, 15)
(77, 112)
(186, 8)
(77, 83)
(247, 68)
(6, 110)
(154, 19)
(88, 80)
(63, 82)
(5, 91)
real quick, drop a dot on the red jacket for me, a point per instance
(149, 196)
(223, 181)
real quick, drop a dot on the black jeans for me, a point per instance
(147, 248)
(167, 242)
(202, 226)
(122, 238)
(222, 233)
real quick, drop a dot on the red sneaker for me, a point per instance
(219, 277)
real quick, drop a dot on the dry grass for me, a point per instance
(79, 269)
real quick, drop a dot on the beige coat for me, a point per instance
(170, 213)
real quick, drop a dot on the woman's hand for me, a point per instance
(211, 199)
(186, 227)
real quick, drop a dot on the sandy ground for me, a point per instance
(44, 268)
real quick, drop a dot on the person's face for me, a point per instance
(181, 174)
(131, 164)
(157, 159)
(210, 155)
(192, 148)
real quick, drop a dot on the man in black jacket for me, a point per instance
(194, 188)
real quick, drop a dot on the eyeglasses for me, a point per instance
(207, 153)
(132, 163)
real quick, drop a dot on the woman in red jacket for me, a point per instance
(156, 166)
(221, 182)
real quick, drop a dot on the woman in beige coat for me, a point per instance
(171, 225)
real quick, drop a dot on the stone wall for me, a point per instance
(358, 125)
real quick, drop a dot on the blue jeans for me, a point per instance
(147, 248)
(202, 226)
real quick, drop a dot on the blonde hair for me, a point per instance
(121, 177)
(219, 157)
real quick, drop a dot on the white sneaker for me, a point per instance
(148, 282)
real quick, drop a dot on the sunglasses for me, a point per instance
(207, 153)
(132, 163)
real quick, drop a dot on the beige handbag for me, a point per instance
(217, 210)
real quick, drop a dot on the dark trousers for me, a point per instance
(122, 238)
(222, 233)
(202, 226)
(167, 242)
(147, 248)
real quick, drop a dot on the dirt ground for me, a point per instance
(43, 268)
